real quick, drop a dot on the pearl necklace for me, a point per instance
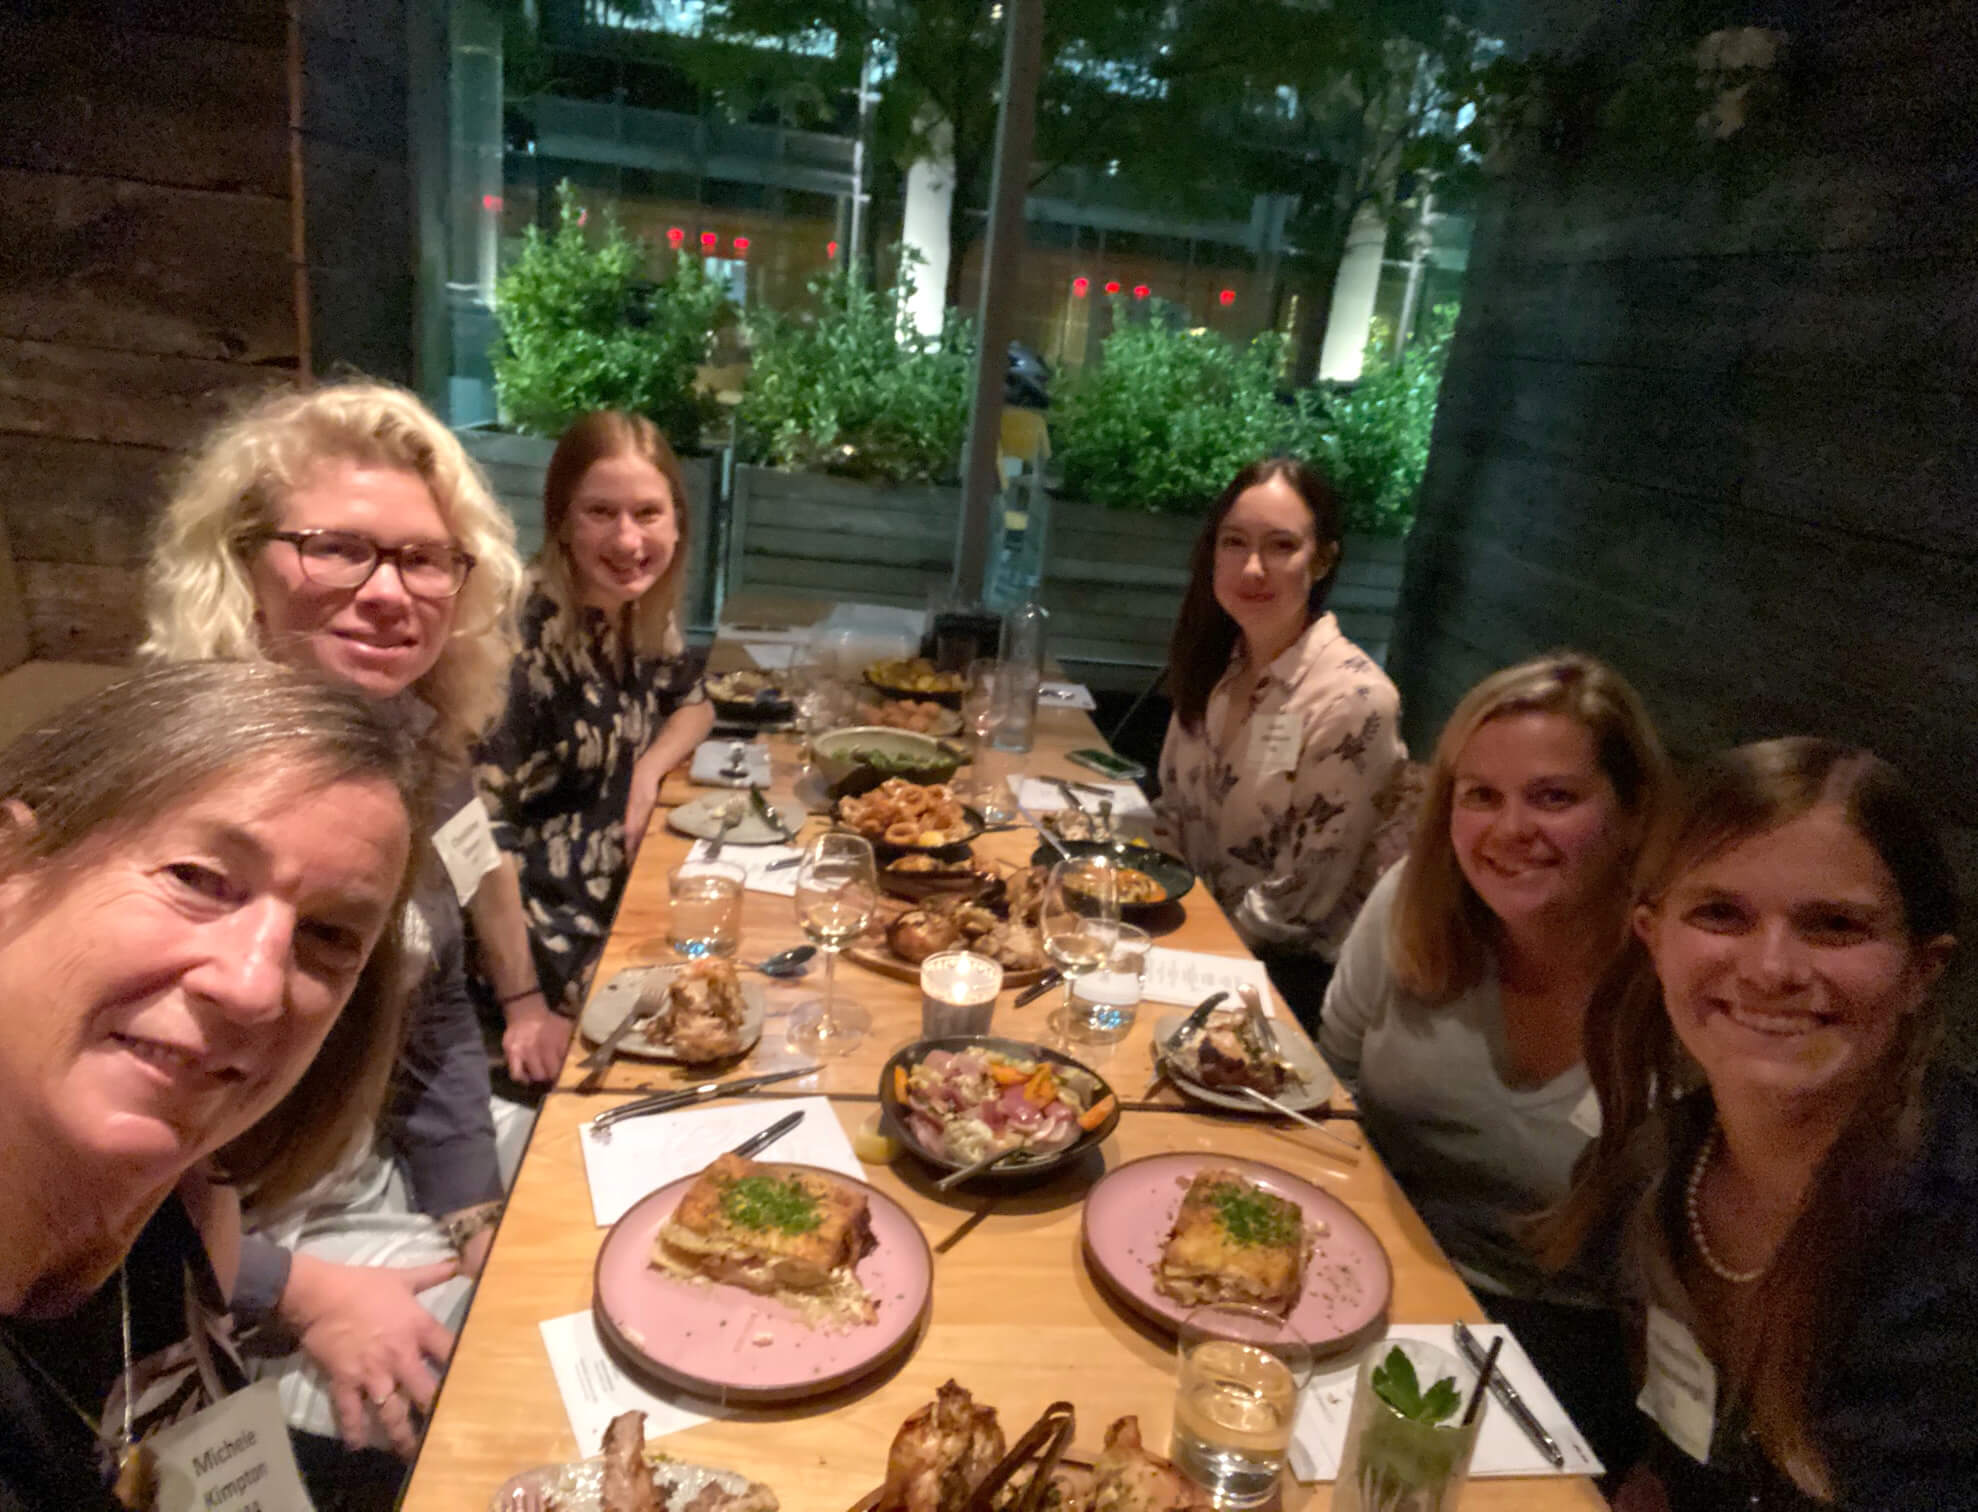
(1715, 1266)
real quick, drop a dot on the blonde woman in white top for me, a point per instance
(1283, 776)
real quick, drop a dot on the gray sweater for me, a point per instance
(1472, 1154)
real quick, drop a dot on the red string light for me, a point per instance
(1080, 287)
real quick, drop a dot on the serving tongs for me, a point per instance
(1045, 1441)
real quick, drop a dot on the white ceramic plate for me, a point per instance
(610, 1003)
(701, 817)
(1313, 1087)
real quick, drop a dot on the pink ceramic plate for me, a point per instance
(1129, 1213)
(723, 1342)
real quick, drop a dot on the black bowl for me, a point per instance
(886, 850)
(947, 698)
(1012, 1172)
(1171, 872)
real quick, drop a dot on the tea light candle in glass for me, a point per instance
(958, 993)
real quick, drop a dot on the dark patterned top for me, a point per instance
(183, 1361)
(1292, 826)
(556, 773)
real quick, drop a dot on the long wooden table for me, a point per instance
(1016, 1317)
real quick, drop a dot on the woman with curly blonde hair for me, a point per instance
(344, 530)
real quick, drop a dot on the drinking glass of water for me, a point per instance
(1242, 1368)
(1079, 917)
(1102, 1004)
(704, 908)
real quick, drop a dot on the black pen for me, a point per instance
(1514, 1404)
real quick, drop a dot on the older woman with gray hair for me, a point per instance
(200, 874)
(344, 530)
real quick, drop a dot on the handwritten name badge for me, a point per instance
(467, 848)
(233, 1457)
(1681, 1390)
(1274, 745)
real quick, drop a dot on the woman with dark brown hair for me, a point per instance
(1792, 1182)
(1283, 773)
(602, 703)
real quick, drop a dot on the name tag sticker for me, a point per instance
(1274, 744)
(1586, 1115)
(233, 1455)
(467, 848)
(1681, 1390)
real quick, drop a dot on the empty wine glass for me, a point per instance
(1079, 918)
(837, 895)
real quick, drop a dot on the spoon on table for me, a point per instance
(956, 1178)
(732, 814)
(793, 962)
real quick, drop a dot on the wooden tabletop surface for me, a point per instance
(1016, 1316)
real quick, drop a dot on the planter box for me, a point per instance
(514, 466)
(816, 536)
(1113, 580)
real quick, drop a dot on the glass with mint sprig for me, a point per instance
(1407, 1446)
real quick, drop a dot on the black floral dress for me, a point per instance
(556, 773)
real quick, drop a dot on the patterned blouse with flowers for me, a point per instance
(1292, 826)
(556, 773)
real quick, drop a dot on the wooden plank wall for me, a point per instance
(1728, 438)
(144, 276)
(145, 261)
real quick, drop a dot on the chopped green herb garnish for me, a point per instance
(1396, 1384)
(1252, 1217)
(770, 1202)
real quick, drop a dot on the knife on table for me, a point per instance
(599, 1060)
(762, 1139)
(768, 815)
(1197, 1017)
(664, 1102)
(1514, 1404)
(1038, 988)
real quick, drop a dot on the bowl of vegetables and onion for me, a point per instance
(955, 1100)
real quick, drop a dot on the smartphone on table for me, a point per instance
(1106, 764)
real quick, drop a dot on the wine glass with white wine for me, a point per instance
(1079, 918)
(837, 895)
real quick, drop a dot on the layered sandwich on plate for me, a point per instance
(699, 1017)
(1233, 1241)
(787, 1232)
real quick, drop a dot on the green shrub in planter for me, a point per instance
(845, 390)
(1375, 435)
(583, 328)
(1168, 415)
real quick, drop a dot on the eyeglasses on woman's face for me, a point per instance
(347, 559)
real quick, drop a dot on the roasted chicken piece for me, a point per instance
(700, 1011)
(919, 933)
(941, 1454)
(628, 1483)
(1127, 1478)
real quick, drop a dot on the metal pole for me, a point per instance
(855, 238)
(1002, 250)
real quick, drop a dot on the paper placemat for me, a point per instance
(1040, 795)
(1318, 1436)
(595, 1390)
(756, 862)
(644, 1154)
(1185, 977)
(1066, 695)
